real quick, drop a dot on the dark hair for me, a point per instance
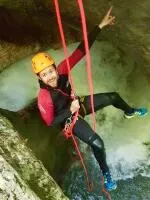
(52, 65)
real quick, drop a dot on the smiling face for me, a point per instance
(49, 76)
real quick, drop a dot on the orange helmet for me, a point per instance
(40, 61)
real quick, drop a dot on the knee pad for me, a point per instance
(96, 142)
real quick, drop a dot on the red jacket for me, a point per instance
(54, 104)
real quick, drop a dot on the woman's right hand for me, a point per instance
(74, 106)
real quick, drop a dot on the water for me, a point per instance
(75, 187)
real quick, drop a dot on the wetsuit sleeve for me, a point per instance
(62, 116)
(79, 52)
(46, 107)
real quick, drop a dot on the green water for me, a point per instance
(135, 188)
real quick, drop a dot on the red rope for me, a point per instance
(88, 59)
(70, 134)
(63, 41)
(82, 162)
(106, 193)
(84, 29)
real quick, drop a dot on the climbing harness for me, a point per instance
(68, 126)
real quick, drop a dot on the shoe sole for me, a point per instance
(136, 115)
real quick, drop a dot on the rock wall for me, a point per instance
(12, 186)
(34, 25)
(30, 170)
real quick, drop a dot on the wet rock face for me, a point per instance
(34, 22)
(131, 32)
(12, 186)
(25, 29)
(22, 175)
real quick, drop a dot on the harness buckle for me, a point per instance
(68, 120)
(68, 124)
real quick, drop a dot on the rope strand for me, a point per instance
(88, 59)
(89, 74)
(71, 83)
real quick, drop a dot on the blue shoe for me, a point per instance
(109, 184)
(137, 112)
